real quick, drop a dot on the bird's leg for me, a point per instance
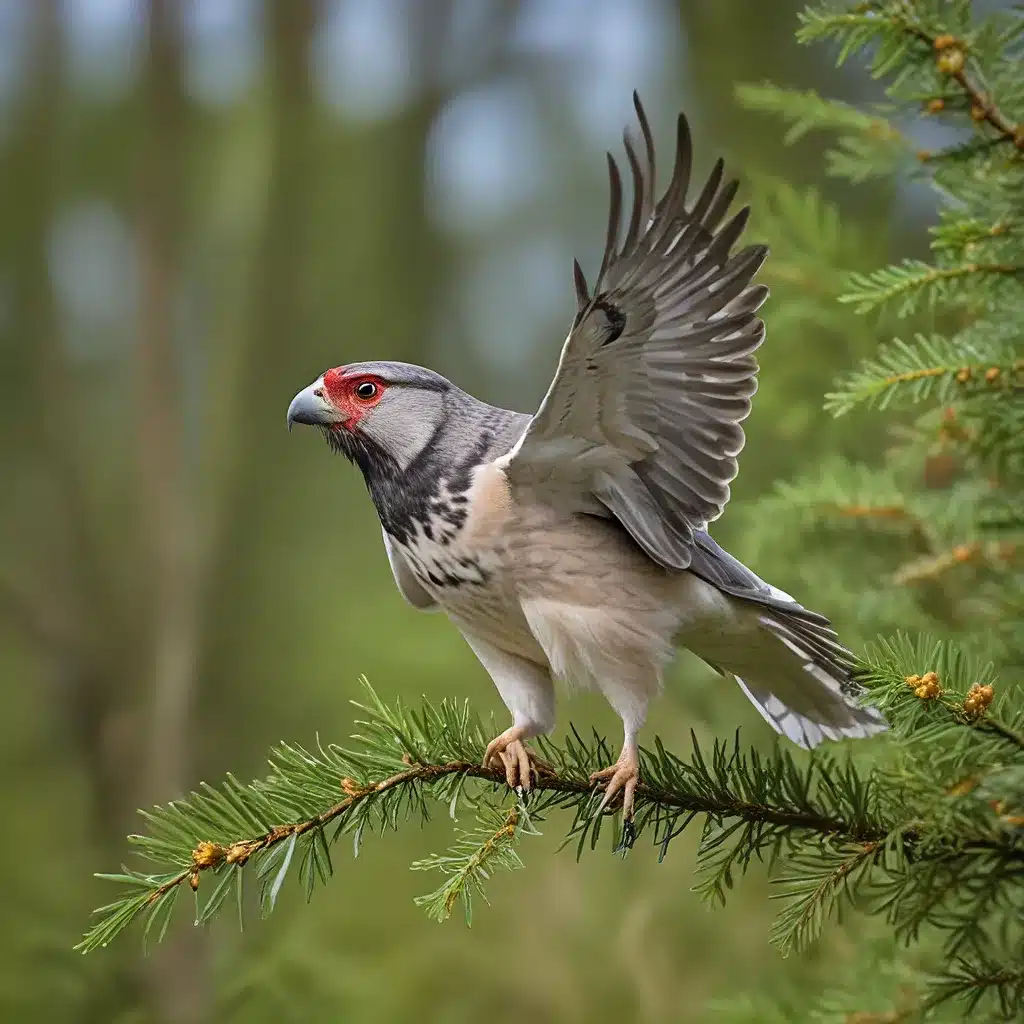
(508, 751)
(623, 776)
(528, 692)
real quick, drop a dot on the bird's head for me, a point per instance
(380, 415)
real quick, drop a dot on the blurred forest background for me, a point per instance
(205, 203)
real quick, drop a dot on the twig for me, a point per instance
(980, 100)
(207, 855)
(1000, 729)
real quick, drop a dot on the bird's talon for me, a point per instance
(628, 834)
(623, 776)
(508, 753)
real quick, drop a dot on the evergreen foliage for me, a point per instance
(923, 829)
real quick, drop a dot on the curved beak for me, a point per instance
(311, 407)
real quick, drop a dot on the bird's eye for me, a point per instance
(366, 390)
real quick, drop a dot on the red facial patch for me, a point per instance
(352, 394)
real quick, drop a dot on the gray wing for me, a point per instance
(713, 563)
(642, 419)
(805, 632)
(405, 579)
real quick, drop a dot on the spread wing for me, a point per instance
(642, 420)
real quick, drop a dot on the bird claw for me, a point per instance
(622, 777)
(508, 753)
(628, 836)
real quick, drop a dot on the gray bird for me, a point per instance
(573, 543)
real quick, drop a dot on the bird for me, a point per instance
(573, 544)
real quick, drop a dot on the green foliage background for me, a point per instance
(183, 585)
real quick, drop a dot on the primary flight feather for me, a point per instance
(573, 543)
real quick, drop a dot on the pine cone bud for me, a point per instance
(936, 106)
(951, 61)
(944, 41)
(978, 699)
(992, 374)
(207, 855)
(964, 552)
(963, 375)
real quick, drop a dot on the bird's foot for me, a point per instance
(621, 777)
(509, 753)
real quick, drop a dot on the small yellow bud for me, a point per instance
(926, 687)
(951, 61)
(936, 106)
(944, 41)
(978, 699)
(992, 374)
(207, 855)
(963, 787)
(978, 112)
(963, 375)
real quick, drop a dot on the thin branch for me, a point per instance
(998, 728)
(207, 855)
(979, 98)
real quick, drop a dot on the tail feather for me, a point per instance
(810, 695)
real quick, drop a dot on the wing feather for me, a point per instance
(643, 417)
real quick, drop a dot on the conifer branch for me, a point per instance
(470, 862)
(406, 761)
(913, 280)
(870, 21)
(931, 567)
(952, 54)
(948, 485)
(935, 368)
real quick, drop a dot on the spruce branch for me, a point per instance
(869, 145)
(902, 38)
(469, 863)
(999, 983)
(407, 761)
(931, 367)
(913, 282)
(894, 669)
(953, 58)
(931, 567)
(945, 510)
